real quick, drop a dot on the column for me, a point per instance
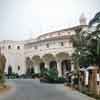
(72, 66)
(47, 65)
(86, 77)
(36, 68)
(59, 68)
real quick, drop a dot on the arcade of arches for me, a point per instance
(60, 62)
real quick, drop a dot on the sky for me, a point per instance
(25, 19)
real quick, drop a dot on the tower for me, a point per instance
(83, 20)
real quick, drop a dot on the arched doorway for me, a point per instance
(28, 71)
(42, 68)
(32, 70)
(48, 59)
(65, 66)
(9, 70)
(53, 66)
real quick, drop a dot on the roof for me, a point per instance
(67, 29)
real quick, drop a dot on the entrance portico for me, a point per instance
(60, 62)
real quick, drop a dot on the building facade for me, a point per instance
(50, 50)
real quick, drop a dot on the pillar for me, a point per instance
(36, 68)
(59, 69)
(47, 65)
(72, 66)
(98, 82)
(93, 80)
(86, 77)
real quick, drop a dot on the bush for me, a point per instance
(91, 94)
(43, 73)
(37, 75)
(61, 78)
(2, 78)
(52, 74)
(13, 75)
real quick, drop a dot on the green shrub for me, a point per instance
(52, 74)
(2, 78)
(35, 75)
(61, 78)
(91, 94)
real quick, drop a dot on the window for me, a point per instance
(18, 47)
(36, 47)
(69, 32)
(62, 44)
(59, 33)
(18, 67)
(47, 45)
(9, 46)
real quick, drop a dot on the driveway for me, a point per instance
(34, 90)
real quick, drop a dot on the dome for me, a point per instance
(83, 19)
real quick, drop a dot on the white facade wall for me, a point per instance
(15, 57)
(38, 47)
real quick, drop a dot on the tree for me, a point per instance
(95, 20)
(2, 67)
(94, 38)
(81, 52)
(87, 47)
(87, 44)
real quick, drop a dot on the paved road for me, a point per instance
(34, 90)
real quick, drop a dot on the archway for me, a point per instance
(47, 58)
(28, 64)
(65, 66)
(42, 66)
(31, 70)
(36, 61)
(28, 71)
(9, 70)
(53, 65)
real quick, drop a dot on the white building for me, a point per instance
(14, 53)
(49, 50)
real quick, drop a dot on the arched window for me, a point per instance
(9, 46)
(36, 47)
(18, 68)
(47, 45)
(62, 43)
(18, 47)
